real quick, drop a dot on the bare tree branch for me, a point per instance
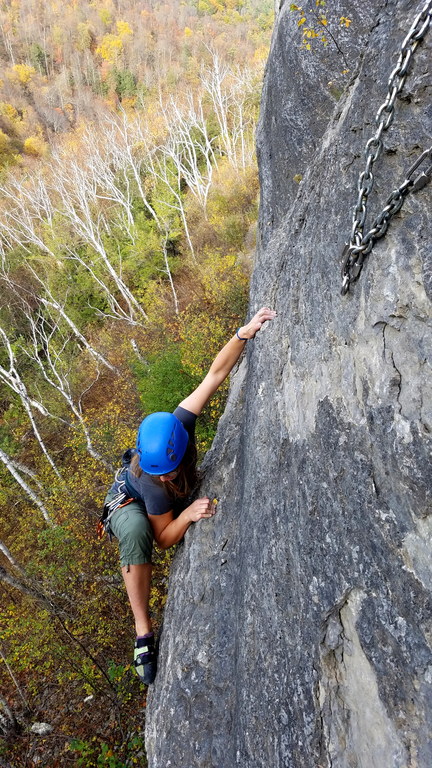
(30, 493)
(12, 379)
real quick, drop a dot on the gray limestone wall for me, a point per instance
(297, 631)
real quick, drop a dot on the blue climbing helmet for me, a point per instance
(161, 443)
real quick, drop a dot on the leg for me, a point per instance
(137, 583)
(134, 533)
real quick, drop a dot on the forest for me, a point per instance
(128, 210)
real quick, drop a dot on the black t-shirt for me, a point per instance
(152, 493)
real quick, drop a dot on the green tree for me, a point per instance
(38, 58)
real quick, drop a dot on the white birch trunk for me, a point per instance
(26, 488)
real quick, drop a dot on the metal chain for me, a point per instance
(360, 245)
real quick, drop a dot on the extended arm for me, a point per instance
(224, 362)
(167, 529)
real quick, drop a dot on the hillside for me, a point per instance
(64, 63)
(129, 198)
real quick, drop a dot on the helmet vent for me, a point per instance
(170, 447)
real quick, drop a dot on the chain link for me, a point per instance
(360, 245)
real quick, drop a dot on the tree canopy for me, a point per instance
(127, 219)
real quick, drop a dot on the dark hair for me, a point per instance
(187, 477)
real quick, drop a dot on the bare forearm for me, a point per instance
(226, 359)
(174, 531)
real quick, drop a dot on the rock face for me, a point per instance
(297, 631)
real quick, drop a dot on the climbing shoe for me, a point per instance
(145, 658)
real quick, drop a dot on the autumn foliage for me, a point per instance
(127, 223)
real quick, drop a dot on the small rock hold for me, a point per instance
(42, 729)
(333, 633)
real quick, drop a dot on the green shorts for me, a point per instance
(130, 525)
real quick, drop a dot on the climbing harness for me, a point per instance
(360, 245)
(120, 499)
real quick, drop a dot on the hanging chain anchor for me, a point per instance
(360, 245)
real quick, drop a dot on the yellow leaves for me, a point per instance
(105, 16)
(110, 48)
(129, 103)
(210, 6)
(35, 146)
(261, 54)
(4, 142)
(311, 22)
(21, 73)
(124, 29)
(228, 11)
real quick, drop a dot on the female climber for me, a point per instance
(156, 485)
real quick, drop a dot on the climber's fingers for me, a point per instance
(254, 325)
(201, 508)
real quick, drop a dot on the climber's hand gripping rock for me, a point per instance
(249, 330)
(199, 509)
